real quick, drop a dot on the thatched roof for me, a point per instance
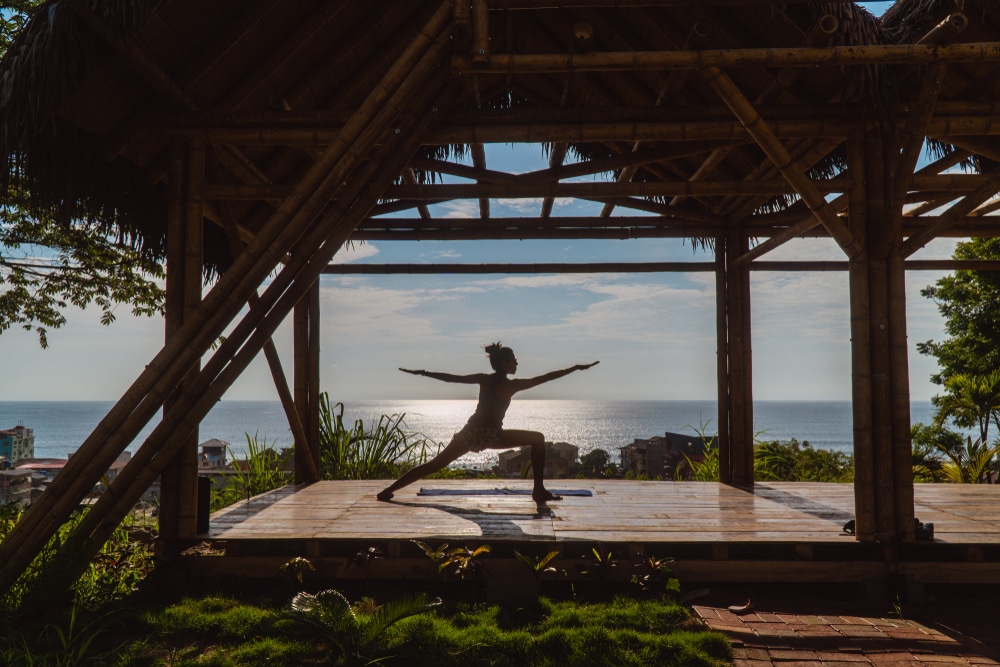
(93, 91)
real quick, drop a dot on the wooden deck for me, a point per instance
(778, 532)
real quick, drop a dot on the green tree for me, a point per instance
(969, 301)
(47, 264)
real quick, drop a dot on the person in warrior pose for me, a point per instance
(484, 429)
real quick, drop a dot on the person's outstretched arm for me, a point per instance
(475, 378)
(528, 383)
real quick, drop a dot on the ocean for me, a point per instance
(60, 427)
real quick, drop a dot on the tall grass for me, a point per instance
(379, 450)
(263, 470)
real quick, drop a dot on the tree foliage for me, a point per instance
(47, 265)
(969, 301)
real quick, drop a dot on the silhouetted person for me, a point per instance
(484, 429)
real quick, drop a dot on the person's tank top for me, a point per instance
(491, 408)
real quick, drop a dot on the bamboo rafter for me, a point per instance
(777, 153)
(834, 56)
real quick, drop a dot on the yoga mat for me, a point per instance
(499, 492)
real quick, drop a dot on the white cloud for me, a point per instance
(353, 252)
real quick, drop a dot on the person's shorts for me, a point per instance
(478, 438)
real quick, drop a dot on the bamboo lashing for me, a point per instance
(147, 393)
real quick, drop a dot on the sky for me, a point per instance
(653, 333)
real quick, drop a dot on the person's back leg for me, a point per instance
(444, 457)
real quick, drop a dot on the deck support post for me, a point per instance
(306, 342)
(179, 481)
(735, 439)
(883, 479)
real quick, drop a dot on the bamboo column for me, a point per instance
(741, 375)
(722, 361)
(734, 370)
(268, 249)
(179, 482)
(883, 478)
(306, 343)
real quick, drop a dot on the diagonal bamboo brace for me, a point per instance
(782, 159)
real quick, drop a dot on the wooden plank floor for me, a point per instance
(617, 511)
(779, 531)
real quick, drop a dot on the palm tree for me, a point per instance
(971, 464)
(970, 401)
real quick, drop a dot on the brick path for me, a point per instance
(800, 631)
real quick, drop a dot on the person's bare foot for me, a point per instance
(385, 496)
(544, 495)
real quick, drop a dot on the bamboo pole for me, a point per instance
(410, 178)
(777, 240)
(270, 351)
(615, 189)
(147, 393)
(479, 162)
(480, 33)
(723, 376)
(562, 131)
(782, 160)
(565, 4)
(861, 350)
(312, 410)
(738, 366)
(902, 448)
(186, 460)
(557, 154)
(174, 306)
(833, 56)
(93, 530)
(300, 379)
(971, 201)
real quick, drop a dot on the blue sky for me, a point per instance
(653, 333)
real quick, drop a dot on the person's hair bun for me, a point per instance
(493, 348)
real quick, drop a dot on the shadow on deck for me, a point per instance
(779, 531)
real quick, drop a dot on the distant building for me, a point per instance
(213, 455)
(15, 487)
(17, 444)
(659, 456)
(561, 460)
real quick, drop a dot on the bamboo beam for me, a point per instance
(412, 190)
(777, 153)
(599, 189)
(834, 56)
(480, 269)
(578, 132)
(147, 393)
(988, 189)
(566, 4)
(576, 169)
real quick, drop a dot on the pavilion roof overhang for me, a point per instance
(610, 87)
